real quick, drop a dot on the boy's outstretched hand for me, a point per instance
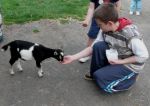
(67, 59)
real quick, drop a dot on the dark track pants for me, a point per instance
(111, 78)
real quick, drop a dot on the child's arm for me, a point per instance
(140, 53)
(89, 15)
(118, 5)
(70, 58)
(124, 61)
(139, 49)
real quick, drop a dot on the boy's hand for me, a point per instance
(85, 23)
(67, 59)
(116, 61)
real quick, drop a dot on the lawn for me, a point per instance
(20, 11)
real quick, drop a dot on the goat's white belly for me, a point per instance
(27, 54)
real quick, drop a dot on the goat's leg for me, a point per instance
(40, 71)
(12, 61)
(19, 65)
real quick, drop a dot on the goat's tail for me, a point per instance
(5, 47)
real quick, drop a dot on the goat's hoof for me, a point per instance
(12, 73)
(40, 74)
(20, 70)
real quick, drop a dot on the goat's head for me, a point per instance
(59, 54)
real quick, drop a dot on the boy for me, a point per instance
(119, 34)
(94, 29)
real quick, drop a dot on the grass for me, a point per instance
(35, 30)
(20, 11)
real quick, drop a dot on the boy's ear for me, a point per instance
(110, 23)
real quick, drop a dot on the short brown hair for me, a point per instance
(106, 12)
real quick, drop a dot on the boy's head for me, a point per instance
(106, 16)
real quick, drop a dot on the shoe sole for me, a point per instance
(81, 62)
(89, 79)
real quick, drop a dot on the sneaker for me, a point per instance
(84, 59)
(131, 12)
(137, 13)
(87, 76)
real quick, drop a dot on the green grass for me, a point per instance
(20, 11)
(35, 30)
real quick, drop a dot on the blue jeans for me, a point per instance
(110, 78)
(136, 5)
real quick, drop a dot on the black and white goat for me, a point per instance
(27, 51)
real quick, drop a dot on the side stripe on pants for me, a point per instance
(110, 89)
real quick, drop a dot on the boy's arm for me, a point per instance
(70, 58)
(129, 60)
(140, 53)
(139, 49)
(84, 53)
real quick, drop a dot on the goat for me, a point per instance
(27, 51)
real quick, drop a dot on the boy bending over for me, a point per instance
(118, 70)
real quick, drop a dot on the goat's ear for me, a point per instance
(55, 53)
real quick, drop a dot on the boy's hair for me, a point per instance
(106, 12)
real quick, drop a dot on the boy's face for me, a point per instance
(106, 27)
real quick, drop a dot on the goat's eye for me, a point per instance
(55, 53)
